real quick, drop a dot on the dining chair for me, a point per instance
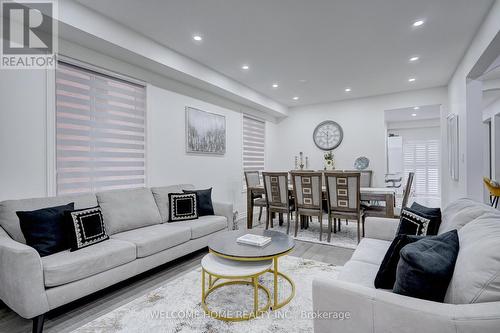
(252, 178)
(343, 197)
(308, 194)
(277, 196)
(366, 178)
(406, 194)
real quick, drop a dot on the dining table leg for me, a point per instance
(389, 205)
(249, 209)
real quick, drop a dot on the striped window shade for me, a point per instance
(100, 132)
(254, 143)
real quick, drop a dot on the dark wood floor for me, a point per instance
(78, 313)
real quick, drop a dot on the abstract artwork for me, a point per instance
(205, 132)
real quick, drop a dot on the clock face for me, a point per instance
(328, 135)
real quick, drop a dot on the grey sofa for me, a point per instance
(140, 239)
(472, 302)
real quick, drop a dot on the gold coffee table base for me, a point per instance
(275, 271)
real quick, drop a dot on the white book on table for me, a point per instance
(254, 240)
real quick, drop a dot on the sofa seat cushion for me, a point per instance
(204, 225)
(371, 251)
(476, 277)
(65, 267)
(124, 210)
(155, 238)
(359, 272)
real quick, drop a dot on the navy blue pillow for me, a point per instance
(426, 267)
(433, 214)
(46, 229)
(203, 201)
(386, 275)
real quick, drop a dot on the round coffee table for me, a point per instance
(224, 245)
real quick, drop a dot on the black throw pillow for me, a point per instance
(433, 214)
(45, 229)
(412, 223)
(182, 207)
(386, 275)
(86, 227)
(426, 267)
(203, 200)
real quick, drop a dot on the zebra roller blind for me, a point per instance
(100, 132)
(254, 143)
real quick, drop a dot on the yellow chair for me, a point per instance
(494, 189)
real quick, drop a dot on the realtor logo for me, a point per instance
(28, 35)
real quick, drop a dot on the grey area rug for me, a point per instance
(175, 307)
(346, 237)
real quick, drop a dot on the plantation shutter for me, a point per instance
(254, 143)
(422, 157)
(100, 132)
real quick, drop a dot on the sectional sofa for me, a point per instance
(472, 302)
(140, 239)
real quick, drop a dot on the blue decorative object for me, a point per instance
(361, 163)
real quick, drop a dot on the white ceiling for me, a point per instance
(331, 44)
(425, 112)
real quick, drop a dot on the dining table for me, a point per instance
(367, 194)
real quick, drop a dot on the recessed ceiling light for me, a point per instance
(413, 59)
(245, 67)
(347, 89)
(296, 98)
(197, 38)
(418, 23)
(412, 79)
(302, 80)
(416, 108)
(275, 85)
(413, 114)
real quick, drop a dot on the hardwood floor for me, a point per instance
(80, 312)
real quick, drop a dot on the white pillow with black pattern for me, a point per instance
(183, 207)
(86, 228)
(411, 223)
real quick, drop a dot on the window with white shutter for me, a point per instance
(254, 143)
(100, 131)
(422, 157)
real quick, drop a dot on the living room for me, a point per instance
(143, 143)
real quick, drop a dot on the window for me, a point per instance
(254, 139)
(100, 132)
(422, 157)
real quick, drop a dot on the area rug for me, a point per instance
(347, 236)
(175, 307)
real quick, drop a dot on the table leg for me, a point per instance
(249, 209)
(255, 296)
(275, 273)
(281, 219)
(389, 205)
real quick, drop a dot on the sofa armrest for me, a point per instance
(21, 278)
(381, 228)
(376, 310)
(224, 209)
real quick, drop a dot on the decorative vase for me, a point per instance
(329, 165)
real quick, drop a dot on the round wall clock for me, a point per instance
(328, 135)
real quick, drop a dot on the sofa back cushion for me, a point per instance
(124, 210)
(161, 197)
(476, 278)
(462, 211)
(10, 222)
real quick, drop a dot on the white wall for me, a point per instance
(364, 130)
(22, 133)
(470, 138)
(25, 141)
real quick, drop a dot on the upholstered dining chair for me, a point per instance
(343, 197)
(277, 196)
(308, 194)
(366, 178)
(406, 194)
(252, 179)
